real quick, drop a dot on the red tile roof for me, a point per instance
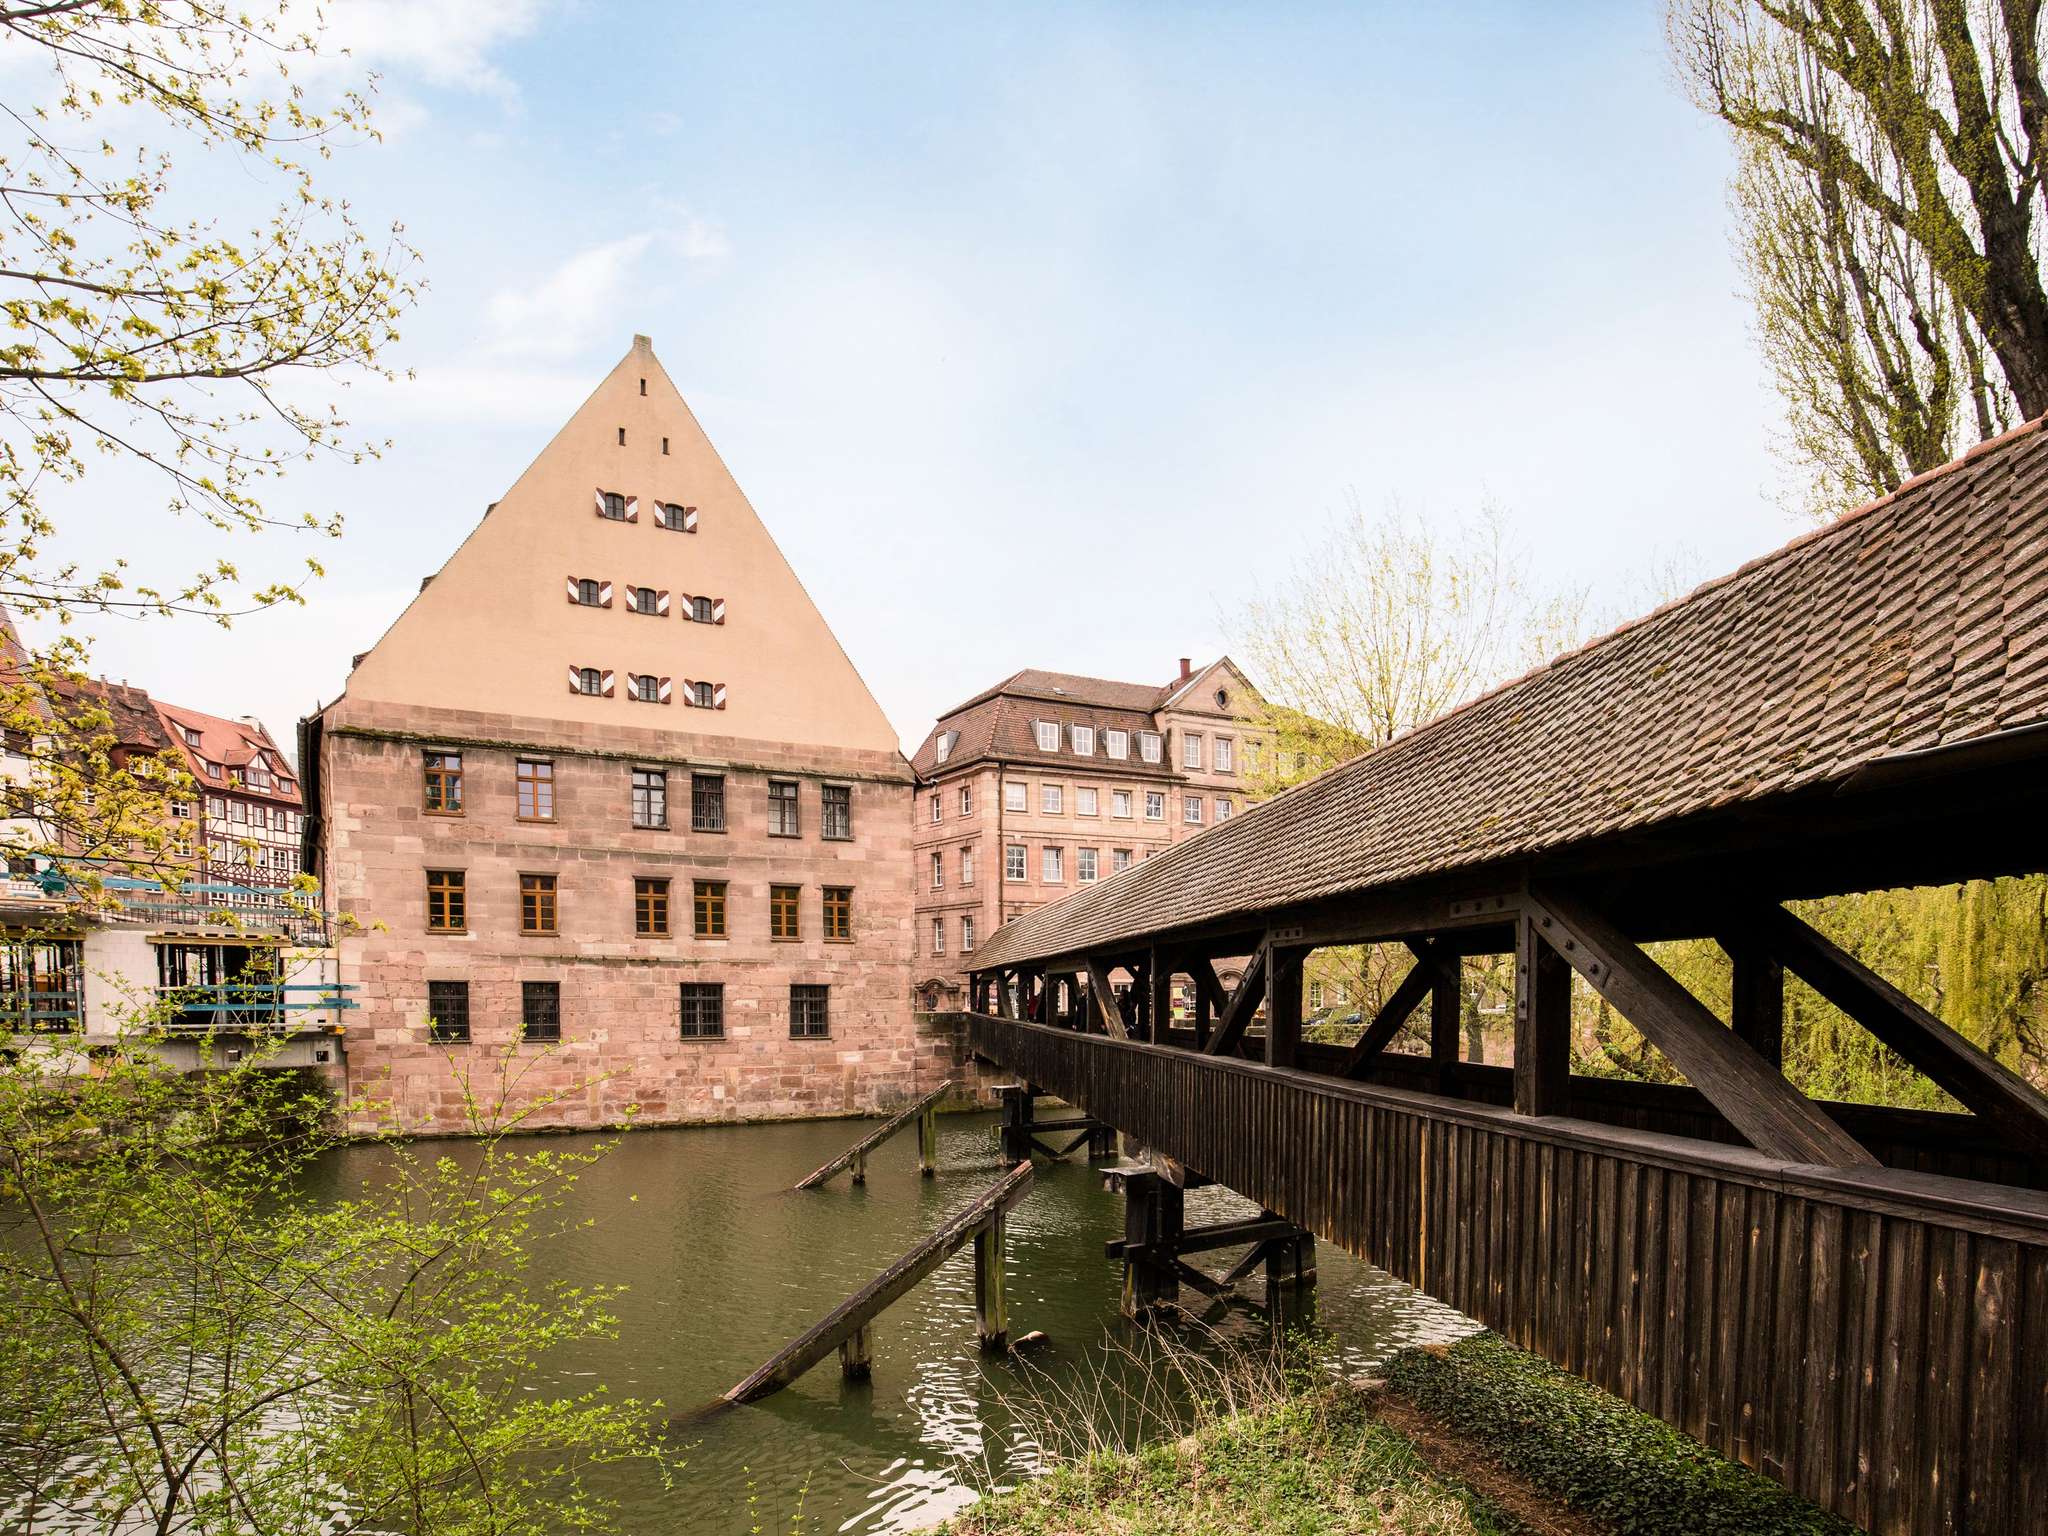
(998, 721)
(1920, 621)
(231, 743)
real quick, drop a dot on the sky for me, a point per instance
(1038, 336)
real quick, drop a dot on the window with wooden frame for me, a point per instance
(838, 912)
(1148, 746)
(809, 1011)
(1223, 755)
(447, 901)
(1120, 803)
(534, 790)
(589, 593)
(938, 868)
(702, 1010)
(938, 936)
(835, 813)
(1087, 861)
(785, 912)
(676, 519)
(785, 817)
(650, 907)
(967, 865)
(612, 504)
(540, 1011)
(643, 600)
(589, 681)
(966, 799)
(448, 1012)
(702, 611)
(1191, 810)
(1155, 805)
(707, 802)
(1015, 792)
(1052, 866)
(643, 687)
(1014, 862)
(1116, 743)
(1048, 734)
(708, 909)
(650, 798)
(967, 935)
(706, 695)
(1087, 800)
(537, 904)
(443, 786)
(938, 808)
(1191, 750)
(1051, 799)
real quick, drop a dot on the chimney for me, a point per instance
(643, 344)
(1186, 670)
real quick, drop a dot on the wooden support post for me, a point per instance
(1159, 1005)
(928, 1141)
(1758, 1011)
(1283, 1005)
(991, 1307)
(1155, 1215)
(1208, 1000)
(857, 1354)
(860, 1166)
(1543, 1024)
(1446, 1022)
(1016, 1131)
(1107, 1009)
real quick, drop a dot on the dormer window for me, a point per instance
(191, 736)
(1148, 746)
(943, 749)
(1084, 740)
(1048, 735)
(1116, 743)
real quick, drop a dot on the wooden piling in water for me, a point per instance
(924, 1111)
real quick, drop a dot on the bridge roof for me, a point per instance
(1915, 623)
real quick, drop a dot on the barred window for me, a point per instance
(650, 798)
(650, 907)
(785, 907)
(540, 1010)
(709, 909)
(838, 906)
(809, 1012)
(784, 818)
(835, 812)
(536, 790)
(703, 1010)
(446, 901)
(443, 783)
(536, 903)
(448, 1012)
(707, 802)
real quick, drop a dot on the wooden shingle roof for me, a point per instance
(1920, 621)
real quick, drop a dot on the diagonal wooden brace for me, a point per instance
(1420, 981)
(1237, 1013)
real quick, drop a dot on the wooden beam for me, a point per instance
(1283, 1004)
(1159, 1010)
(1447, 1020)
(1209, 1000)
(1237, 1013)
(1543, 1023)
(1773, 1115)
(1986, 1086)
(1757, 1008)
(1420, 981)
(1107, 1008)
(922, 1108)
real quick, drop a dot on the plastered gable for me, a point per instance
(494, 631)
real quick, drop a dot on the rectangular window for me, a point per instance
(709, 909)
(650, 798)
(1014, 797)
(938, 935)
(1052, 866)
(1251, 757)
(1048, 735)
(447, 910)
(838, 907)
(536, 790)
(643, 600)
(1116, 743)
(966, 800)
(1086, 800)
(1225, 752)
(1119, 860)
(1155, 805)
(448, 1012)
(967, 866)
(1120, 803)
(810, 1015)
(1013, 862)
(443, 786)
(1222, 809)
(537, 904)
(650, 907)
(1190, 751)
(1086, 863)
(938, 807)
(1191, 810)
(707, 802)
(938, 869)
(540, 1010)
(784, 819)
(1315, 996)
(1148, 746)
(703, 1010)
(785, 912)
(612, 504)
(835, 812)
(967, 935)
(1084, 740)
(1049, 799)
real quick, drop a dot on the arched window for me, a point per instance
(700, 609)
(706, 698)
(590, 680)
(586, 592)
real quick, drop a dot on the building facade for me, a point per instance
(609, 814)
(1048, 782)
(247, 813)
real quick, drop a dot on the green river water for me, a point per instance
(725, 1263)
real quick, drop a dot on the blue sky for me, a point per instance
(1039, 335)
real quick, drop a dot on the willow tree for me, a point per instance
(135, 329)
(1888, 202)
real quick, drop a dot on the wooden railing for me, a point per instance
(1874, 1339)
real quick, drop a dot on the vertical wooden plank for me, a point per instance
(1901, 1369)
(2030, 1453)
(1730, 1289)
(1446, 1023)
(1820, 1469)
(1758, 1010)
(1864, 1441)
(1601, 1256)
(1283, 1005)
(1990, 1385)
(1653, 1261)
(1697, 1325)
(1939, 1452)
(1760, 1307)
(1543, 1024)
(1628, 1280)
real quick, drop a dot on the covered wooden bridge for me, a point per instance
(1852, 1299)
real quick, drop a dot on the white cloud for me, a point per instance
(443, 42)
(579, 301)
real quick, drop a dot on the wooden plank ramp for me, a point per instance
(854, 1314)
(857, 1153)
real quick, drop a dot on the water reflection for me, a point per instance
(724, 1264)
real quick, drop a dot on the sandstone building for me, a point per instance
(620, 821)
(1048, 782)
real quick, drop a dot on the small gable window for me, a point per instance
(677, 519)
(586, 592)
(700, 610)
(944, 747)
(612, 504)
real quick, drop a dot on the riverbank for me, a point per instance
(1480, 1439)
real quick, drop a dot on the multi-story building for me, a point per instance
(248, 810)
(608, 801)
(1048, 782)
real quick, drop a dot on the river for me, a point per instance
(724, 1263)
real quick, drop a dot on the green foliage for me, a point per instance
(1594, 1452)
(193, 1341)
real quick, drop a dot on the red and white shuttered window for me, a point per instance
(701, 695)
(588, 593)
(646, 688)
(593, 682)
(617, 506)
(677, 519)
(647, 600)
(703, 610)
